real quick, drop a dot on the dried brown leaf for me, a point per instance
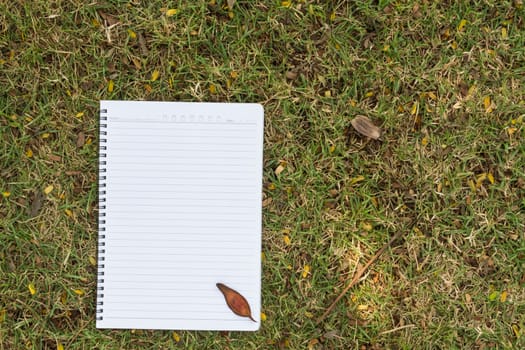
(365, 127)
(36, 204)
(236, 302)
(231, 3)
(109, 19)
(291, 75)
(81, 139)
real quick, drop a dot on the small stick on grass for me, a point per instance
(359, 273)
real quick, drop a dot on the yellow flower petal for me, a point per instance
(6, 194)
(462, 25)
(111, 86)
(31, 288)
(171, 12)
(213, 89)
(155, 75)
(79, 292)
(287, 240)
(132, 34)
(92, 261)
(491, 178)
(175, 336)
(263, 316)
(79, 114)
(48, 189)
(306, 271)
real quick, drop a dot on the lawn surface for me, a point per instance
(444, 80)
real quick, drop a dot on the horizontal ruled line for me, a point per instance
(167, 122)
(185, 206)
(219, 135)
(194, 225)
(173, 143)
(113, 190)
(160, 128)
(175, 319)
(164, 150)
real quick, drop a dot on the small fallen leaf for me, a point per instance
(312, 343)
(79, 114)
(92, 261)
(48, 189)
(279, 169)
(356, 179)
(287, 240)
(31, 288)
(235, 301)
(213, 89)
(81, 139)
(171, 12)
(109, 19)
(176, 337)
(111, 86)
(68, 212)
(54, 158)
(78, 292)
(291, 75)
(36, 204)
(365, 127)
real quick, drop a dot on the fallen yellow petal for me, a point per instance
(263, 316)
(516, 330)
(213, 89)
(462, 25)
(31, 288)
(491, 178)
(111, 86)
(503, 296)
(287, 240)
(79, 292)
(132, 34)
(306, 271)
(175, 336)
(79, 114)
(504, 33)
(60, 346)
(155, 75)
(356, 179)
(92, 261)
(6, 194)
(68, 212)
(171, 12)
(48, 189)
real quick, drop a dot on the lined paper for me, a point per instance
(182, 186)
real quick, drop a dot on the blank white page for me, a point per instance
(180, 211)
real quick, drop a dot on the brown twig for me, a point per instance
(359, 273)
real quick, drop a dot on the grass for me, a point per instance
(443, 80)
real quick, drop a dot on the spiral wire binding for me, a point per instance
(102, 213)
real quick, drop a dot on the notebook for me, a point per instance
(179, 215)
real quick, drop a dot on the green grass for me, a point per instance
(454, 281)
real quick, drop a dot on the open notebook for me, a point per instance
(179, 213)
